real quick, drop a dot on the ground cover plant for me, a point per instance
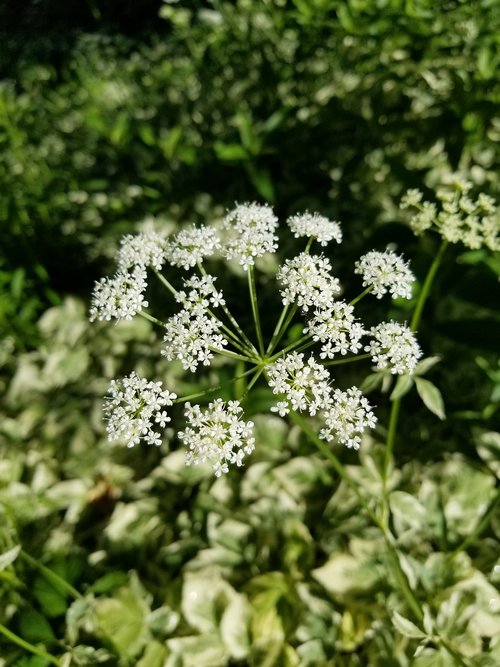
(315, 480)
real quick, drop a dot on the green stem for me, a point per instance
(255, 307)
(360, 296)
(415, 321)
(239, 330)
(151, 318)
(165, 282)
(257, 375)
(31, 648)
(454, 654)
(405, 587)
(297, 344)
(480, 526)
(284, 327)
(232, 355)
(277, 329)
(51, 576)
(346, 360)
(207, 392)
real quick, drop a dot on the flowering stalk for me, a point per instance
(255, 307)
(27, 646)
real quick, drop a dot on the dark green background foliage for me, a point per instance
(116, 113)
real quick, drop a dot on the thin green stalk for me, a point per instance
(309, 243)
(31, 648)
(151, 318)
(255, 307)
(480, 526)
(165, 282)
(405, 587)
(277, 329)
(207, 392)
(346, 360)
(232, 355)
(360, 296)
(415, 321)
(297, 344)
(51, 576)
(257, 375)
(239, 330)
(284, 327)
(454, 654)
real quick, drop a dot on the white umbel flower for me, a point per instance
(313, 224)
(145, 249)
(394, 346)
(191, 339)
(120, 297)
(192, 245)
(385, 272)
(337, 328)
(307, 281)
(347, 417)
(135, 409)
(306, 386)
(251, 232)
(217, 435)
(199, 293)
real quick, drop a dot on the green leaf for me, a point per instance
(52, 601)
(8, 557)
(406, 627)
(154, 655)
(424, 365)
(230, 152)
(431, 396)
(34, 627)
(403, 385)
(108, 582)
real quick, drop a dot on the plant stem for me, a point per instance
(255, 307)
(346, 360)
(360, 296)
(480, 526)
(297, 344)
(232, 355)
(257, 375)
(277, 329)
(51, 576)
(415, 321)
(163, 280)
(151, 318)
(202, 394)
(31, 648)
(284, 327)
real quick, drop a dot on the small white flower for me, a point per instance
(315, 225)
(306, 386)
(395, 347)
(412, 197)
(251, 232)
(190, 338)
(217, 435)
(347, 417)
(337, 328)
(133, 407)
(307, 281)
(145, 249)
(192, 245)
(120, 297)
(199, 293)
(385, 272)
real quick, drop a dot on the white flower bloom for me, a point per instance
(305, 385)
(120, 297)
(189, 338)
(145, 249)
(412, 197)
(192, 245)
(217, 435)
(315, 225)
(133, 408)
(306, 280)
(395, 347)
(250, 233)
(199, 294)
(347, 417)
(385, 272)
(337, 328)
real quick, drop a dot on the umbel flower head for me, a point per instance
(135, 410)
(217, 435)
(204, 327)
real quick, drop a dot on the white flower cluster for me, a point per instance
(192, 245)
(306, 280)
(120, 297)
(348, 415)
(395, 347)
(135, 409)
(457, 217)
(145, 249)
(251, 230)
(337, 328)
(217, 435)
(193, 333)
(316, 226)
(306, 386)
(385, 272)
